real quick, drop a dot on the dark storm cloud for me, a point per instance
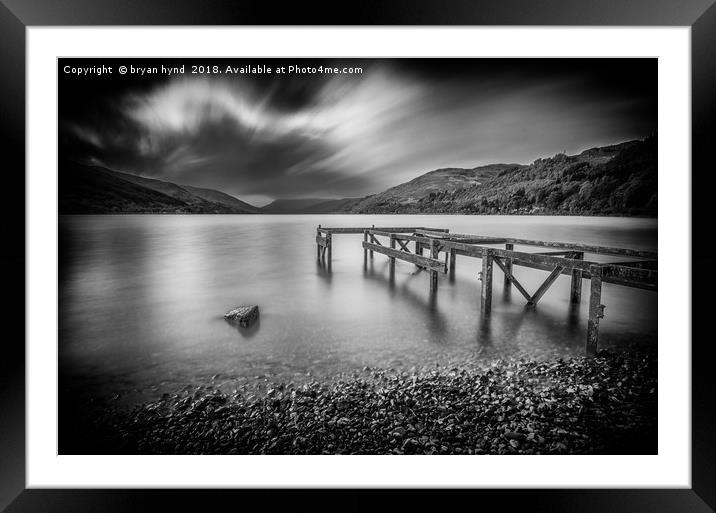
(268, 136)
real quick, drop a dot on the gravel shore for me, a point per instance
(601, 405)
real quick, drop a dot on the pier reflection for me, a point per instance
(424, 305)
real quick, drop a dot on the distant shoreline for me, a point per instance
(355, 214)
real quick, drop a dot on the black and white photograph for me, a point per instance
(384, 256)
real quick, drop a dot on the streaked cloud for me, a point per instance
(352, 135)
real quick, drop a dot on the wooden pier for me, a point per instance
(638, 271)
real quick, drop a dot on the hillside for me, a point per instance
(85, 189)
(222, 198)
(311, 206)
(619, 179)
(612, 180)
(413, 192)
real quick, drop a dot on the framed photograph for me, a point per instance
(414, 250)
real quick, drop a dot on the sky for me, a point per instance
(305, 134)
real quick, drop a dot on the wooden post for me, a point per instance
(365, 251)
(575, 295)
(329, 250)
(596, 310)
(318, 246)
(392, 259)
(508, 266)
(453, 258)
(418, 251)
(433, 274)
(486, 276)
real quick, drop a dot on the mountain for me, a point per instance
(440, 180)
(619, 179)
(222, 198)
(86, 189)
(311, 206)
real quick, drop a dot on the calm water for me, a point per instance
(142, 299)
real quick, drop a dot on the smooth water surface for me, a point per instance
(142, 298)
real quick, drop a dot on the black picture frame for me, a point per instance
(17, 15)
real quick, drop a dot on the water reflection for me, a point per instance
(574, 321)
(484, 331)
(248, 332)
(423, 306)
(142, 297)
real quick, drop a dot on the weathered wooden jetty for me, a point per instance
(638, 269)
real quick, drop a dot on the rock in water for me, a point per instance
(244, 316)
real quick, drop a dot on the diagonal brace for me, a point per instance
(403, 245)
(547, 284)
(531, 300)
(514, 281)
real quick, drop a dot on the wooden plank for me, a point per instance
(472, 241)
(555, 253)
(422, 261)
(405, 237)
(603, 250)
(616, 280)
(638, 264)
(385, 233)
(551, 261)
(464, 240)
(511, 277)
(444, 241)
(546, 285)
(630, 274)
(440, 233)
(586, 248)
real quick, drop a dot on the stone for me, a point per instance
(244, 316)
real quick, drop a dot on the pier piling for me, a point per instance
(508, 268)
(575, 294)
(453, 258)
(486, 275)
(433, 273)
(365, 251)
(561, 258)
(596, 310)
(392, 258)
